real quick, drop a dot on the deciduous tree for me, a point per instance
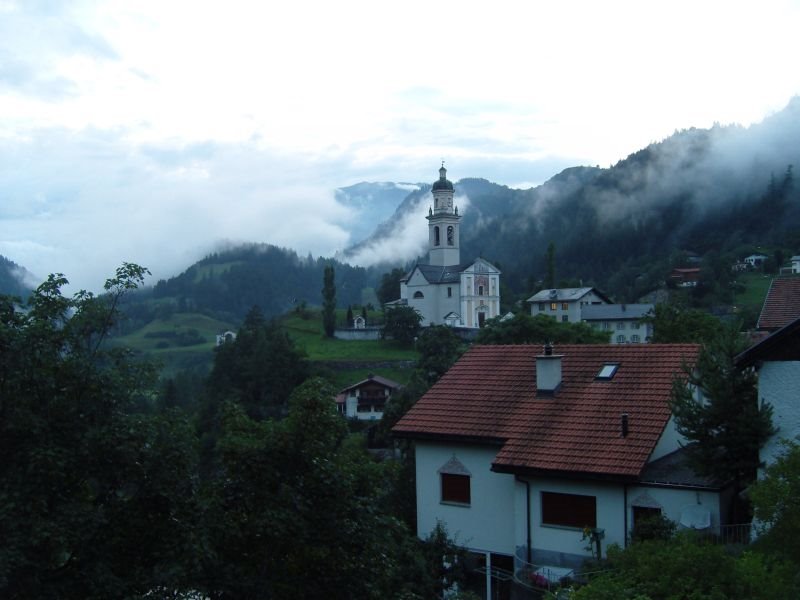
(95, 496)
(402, 323)
(525, 329)
(776, 504)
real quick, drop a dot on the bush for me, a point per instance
(654, 527)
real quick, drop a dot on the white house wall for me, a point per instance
(778, 383)
(669, 441)
(558, 545)
(488, 523)
(673, 501)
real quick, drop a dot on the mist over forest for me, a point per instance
(715, 193)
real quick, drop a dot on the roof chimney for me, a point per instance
(548, 371)
(624, 424)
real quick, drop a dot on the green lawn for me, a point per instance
(756, 286)
(159, 340)
(308, 334)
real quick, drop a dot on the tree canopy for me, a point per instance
(525, 329)
(95, 496)
(402, 323)
(676, 325)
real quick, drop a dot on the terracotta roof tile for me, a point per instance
(490, 395)
(782, 304)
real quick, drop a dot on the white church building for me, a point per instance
(446, 291)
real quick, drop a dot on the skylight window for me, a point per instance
(608, 371)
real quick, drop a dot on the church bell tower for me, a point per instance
(443, 249)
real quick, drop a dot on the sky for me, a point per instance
(153, 132)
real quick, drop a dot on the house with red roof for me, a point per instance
(685, 277)
(781, 305)
(522, 452)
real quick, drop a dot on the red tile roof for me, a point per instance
(782, 304)
(490, 396)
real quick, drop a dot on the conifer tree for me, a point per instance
(329, 301)
(730, 425)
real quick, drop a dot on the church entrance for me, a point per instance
(481, 319)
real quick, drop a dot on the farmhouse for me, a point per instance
(366, 400)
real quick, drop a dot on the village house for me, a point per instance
(565, 304)
(754, 261)
(795, 262)
(531, 456)
(367, 399)
(623, 322)
(685, 277)
(444, 290)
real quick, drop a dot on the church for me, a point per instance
(444, 290)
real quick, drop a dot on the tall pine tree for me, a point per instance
(329, 301)
(729, 425)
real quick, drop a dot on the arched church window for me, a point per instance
(418, 295)
(436, 236)
(450, 235)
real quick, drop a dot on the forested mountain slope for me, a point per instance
(14, 279)
(718, 191)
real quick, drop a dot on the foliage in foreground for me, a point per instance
(101, 496)
(776, 500)
(95, 497)
(683, 568)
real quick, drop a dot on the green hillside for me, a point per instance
(185, 341)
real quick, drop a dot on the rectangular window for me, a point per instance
(554, 306)
(635, 325)
(606, 325)
(455, 488)
(541, 306)
(569, 510)
(480, 290)
(620, 339)
(449, 292)
(565, 318)
(564, 306)
(620, 325)
(635, 338)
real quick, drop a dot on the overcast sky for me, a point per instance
(149, 131)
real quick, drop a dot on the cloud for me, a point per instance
(35, 39)
(406, 239)
(83, 203)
